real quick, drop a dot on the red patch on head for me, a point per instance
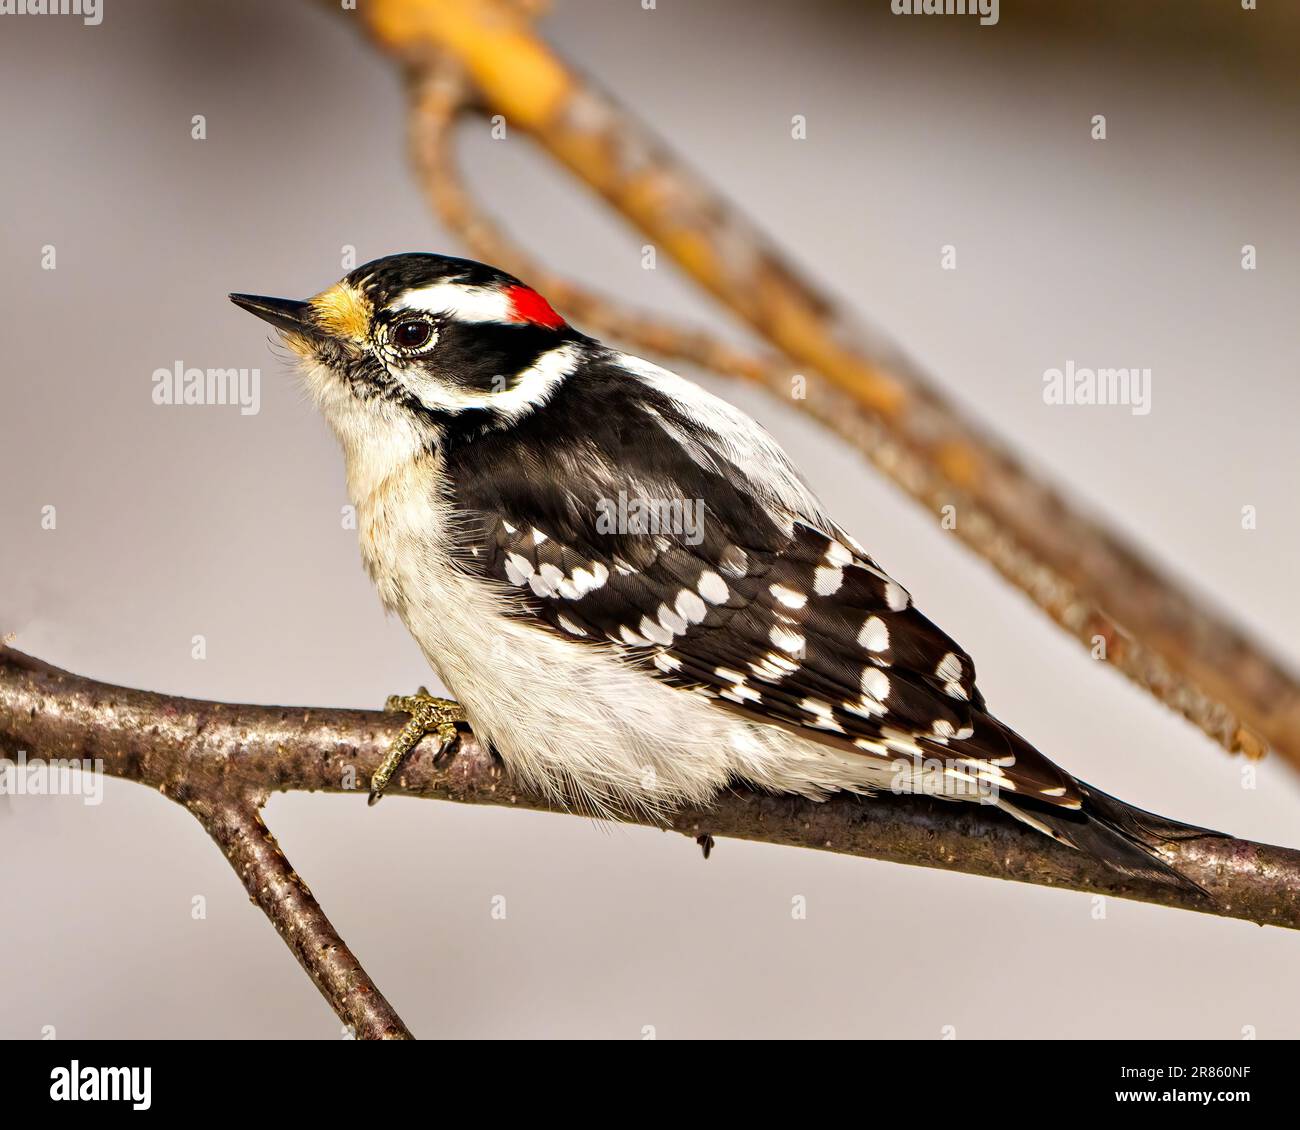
(526, 305)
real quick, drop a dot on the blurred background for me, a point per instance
(180, 522)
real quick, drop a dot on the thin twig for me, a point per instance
(47, 714)
(1090, 580)
(237, 827)
(238, 751)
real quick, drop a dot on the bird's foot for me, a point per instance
(429, 715)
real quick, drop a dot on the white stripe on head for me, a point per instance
(465, 303)
(531, 389)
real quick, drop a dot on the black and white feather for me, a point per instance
(628, 586)
(763, 606)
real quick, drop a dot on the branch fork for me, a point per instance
(222, 761)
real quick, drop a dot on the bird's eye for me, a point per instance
(412, 334)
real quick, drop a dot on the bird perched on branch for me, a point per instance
(633, 594)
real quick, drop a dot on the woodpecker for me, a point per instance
(631, 592)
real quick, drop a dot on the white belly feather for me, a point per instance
(572, 720)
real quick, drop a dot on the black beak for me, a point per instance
(283, 313)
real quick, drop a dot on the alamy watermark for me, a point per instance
(1077, 385)
(179, 385)
(681, 516)
(90, 11)
(987, 10)
(76, 1083)
(947, 777)
(61, 776)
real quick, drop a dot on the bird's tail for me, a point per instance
(1123, 837)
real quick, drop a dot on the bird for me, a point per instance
(633, 594)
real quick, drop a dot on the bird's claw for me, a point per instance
(428, 715)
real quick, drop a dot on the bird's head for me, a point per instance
(424, 337)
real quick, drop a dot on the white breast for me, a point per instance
(573, 720)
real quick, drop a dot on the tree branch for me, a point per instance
(194, 753)
(1086, 577)
(225, 754)
(237, 827)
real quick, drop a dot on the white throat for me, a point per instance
(380, 439)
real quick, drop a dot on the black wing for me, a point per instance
(619, 520)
